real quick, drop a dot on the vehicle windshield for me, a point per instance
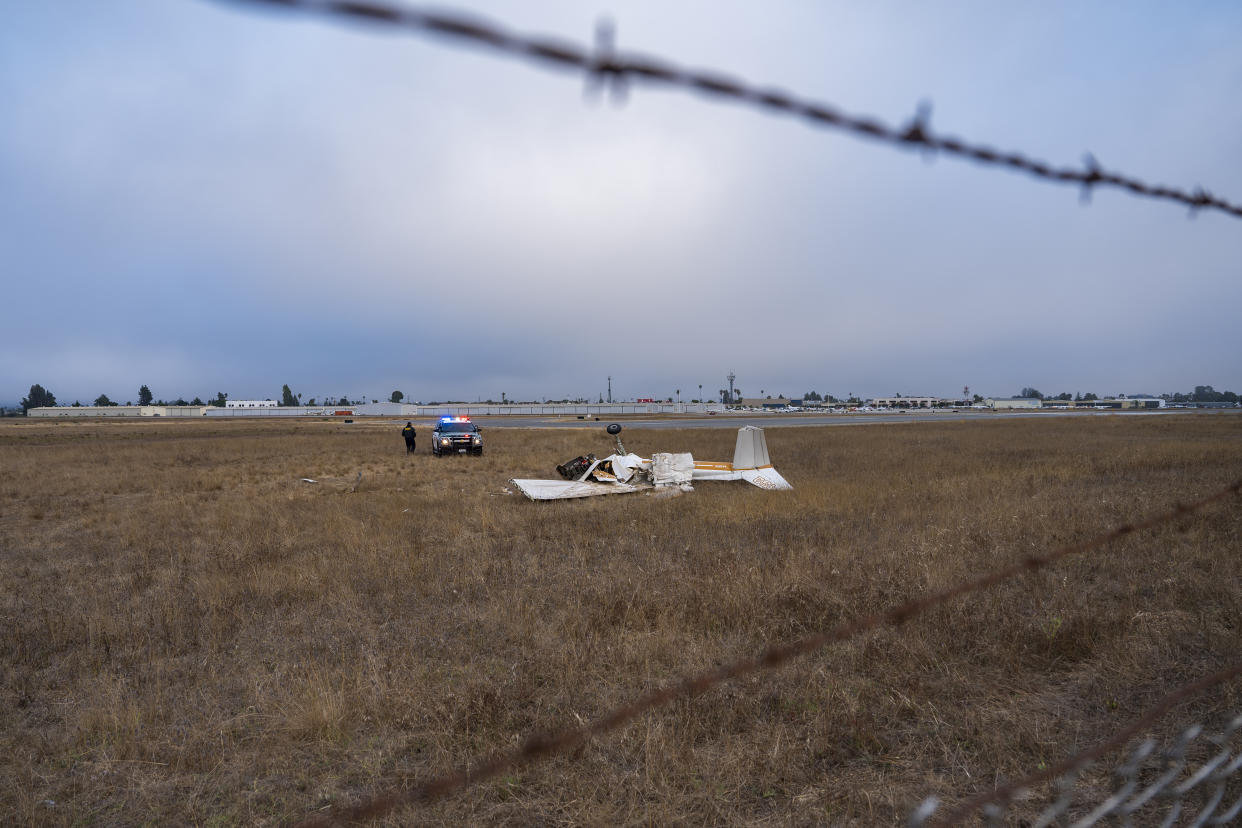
(456, 428)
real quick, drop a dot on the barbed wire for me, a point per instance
(543, 746)
(605, 67)
(1128, 798)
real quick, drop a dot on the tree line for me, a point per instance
(1201, 394)
(40, 397)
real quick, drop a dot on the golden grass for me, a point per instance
(192, 635)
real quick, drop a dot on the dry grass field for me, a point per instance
(191, 635)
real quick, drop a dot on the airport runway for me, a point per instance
(791, 420)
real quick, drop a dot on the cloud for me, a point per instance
(232, 200)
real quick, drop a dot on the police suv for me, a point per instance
(456, 435)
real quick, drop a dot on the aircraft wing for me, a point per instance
(566, 489)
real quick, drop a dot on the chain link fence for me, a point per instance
(1195, 781)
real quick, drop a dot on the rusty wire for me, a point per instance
(1131, 796)
(543, 746)
(604, 66)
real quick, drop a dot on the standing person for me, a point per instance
(408, 434)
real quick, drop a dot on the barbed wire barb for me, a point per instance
(621, 68)
(917, 130)
(602, 77)
(1094, 174)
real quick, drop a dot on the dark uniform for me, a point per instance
(408, 434)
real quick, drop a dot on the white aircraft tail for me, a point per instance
(751, 461)
(751, 451)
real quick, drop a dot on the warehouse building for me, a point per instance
(772, 404)
(1005, 403)
(119, 411)
(87, 411)
(1119, 404)
(908, 402)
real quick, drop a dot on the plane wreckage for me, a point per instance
(624, 472)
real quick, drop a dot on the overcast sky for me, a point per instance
(207, 197)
